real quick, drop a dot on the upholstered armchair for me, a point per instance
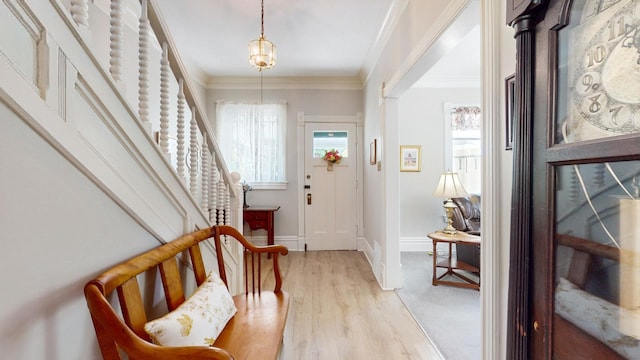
(466, 217)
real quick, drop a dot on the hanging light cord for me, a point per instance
(262, 22)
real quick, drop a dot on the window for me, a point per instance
(324, 141)
(464, 151)
(252, 139)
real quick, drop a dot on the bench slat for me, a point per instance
(132, 307)
(198, 265)
(172, 283)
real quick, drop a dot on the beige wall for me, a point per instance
(311, 102)
(422, 123)
(401, 63)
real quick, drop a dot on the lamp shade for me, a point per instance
(449, 186)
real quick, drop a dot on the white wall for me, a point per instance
(58, 229)
(422, 123)
(398, 67)
(83, 185)
(419, 24)
(507, 67)
(311, 102)
(60, 225)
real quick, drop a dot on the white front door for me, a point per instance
(330, 193)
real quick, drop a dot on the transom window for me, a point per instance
(324, 141)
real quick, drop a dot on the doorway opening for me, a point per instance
(441, 113)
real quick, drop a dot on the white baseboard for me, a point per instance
(423, 244)
(416, 244)
(291, 242)
(367, 250)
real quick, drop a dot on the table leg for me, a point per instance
(450, 267)
(270, 232)
(435, 261)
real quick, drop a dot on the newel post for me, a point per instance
(236, 203)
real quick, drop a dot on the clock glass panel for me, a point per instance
(597, 253)
(599, 71)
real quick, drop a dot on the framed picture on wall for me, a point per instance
(410, 158)
(510, 97)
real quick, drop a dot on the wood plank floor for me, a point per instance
(338, 311)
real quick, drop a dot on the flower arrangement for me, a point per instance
(332, 156)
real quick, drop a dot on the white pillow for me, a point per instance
(197, 321)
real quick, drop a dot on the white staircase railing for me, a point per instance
(207, 170)
(101, 81)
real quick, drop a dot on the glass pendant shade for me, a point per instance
(262, 54)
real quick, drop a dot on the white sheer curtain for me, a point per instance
(466, 146)
(252, 138)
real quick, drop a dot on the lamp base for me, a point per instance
(448, 207)
(449, 229)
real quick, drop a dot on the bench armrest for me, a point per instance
(249, 252)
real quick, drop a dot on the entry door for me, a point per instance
(330, 191)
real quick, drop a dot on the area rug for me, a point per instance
(450, 316)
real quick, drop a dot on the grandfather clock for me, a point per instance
(575, 229)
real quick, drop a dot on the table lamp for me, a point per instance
(449, 187)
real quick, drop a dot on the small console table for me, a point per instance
(453, 264)
(261, 217)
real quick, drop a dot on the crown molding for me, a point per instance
(455, 83)
(452, 12)
(388, 25)
(280, 83)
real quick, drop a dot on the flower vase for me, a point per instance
(329, 166)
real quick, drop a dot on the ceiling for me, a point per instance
(332, 38)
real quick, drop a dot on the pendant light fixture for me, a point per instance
(262, 52)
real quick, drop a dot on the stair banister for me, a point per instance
(161, 31)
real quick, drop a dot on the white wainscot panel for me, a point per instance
(19, 39)
(137, 184)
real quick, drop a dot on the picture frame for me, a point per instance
(510, 98)
(410, 158)
(373, 149)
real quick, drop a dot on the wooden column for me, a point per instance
(518, 326)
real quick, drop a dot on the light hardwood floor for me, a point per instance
(338, 311)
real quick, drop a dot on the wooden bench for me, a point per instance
(254, 332)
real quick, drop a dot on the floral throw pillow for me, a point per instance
(199, 320)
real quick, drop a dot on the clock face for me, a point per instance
(605, 81)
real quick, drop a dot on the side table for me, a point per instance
(261, 217)
(452, 264)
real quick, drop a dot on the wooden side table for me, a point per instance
(261, 217)
(453, 264)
